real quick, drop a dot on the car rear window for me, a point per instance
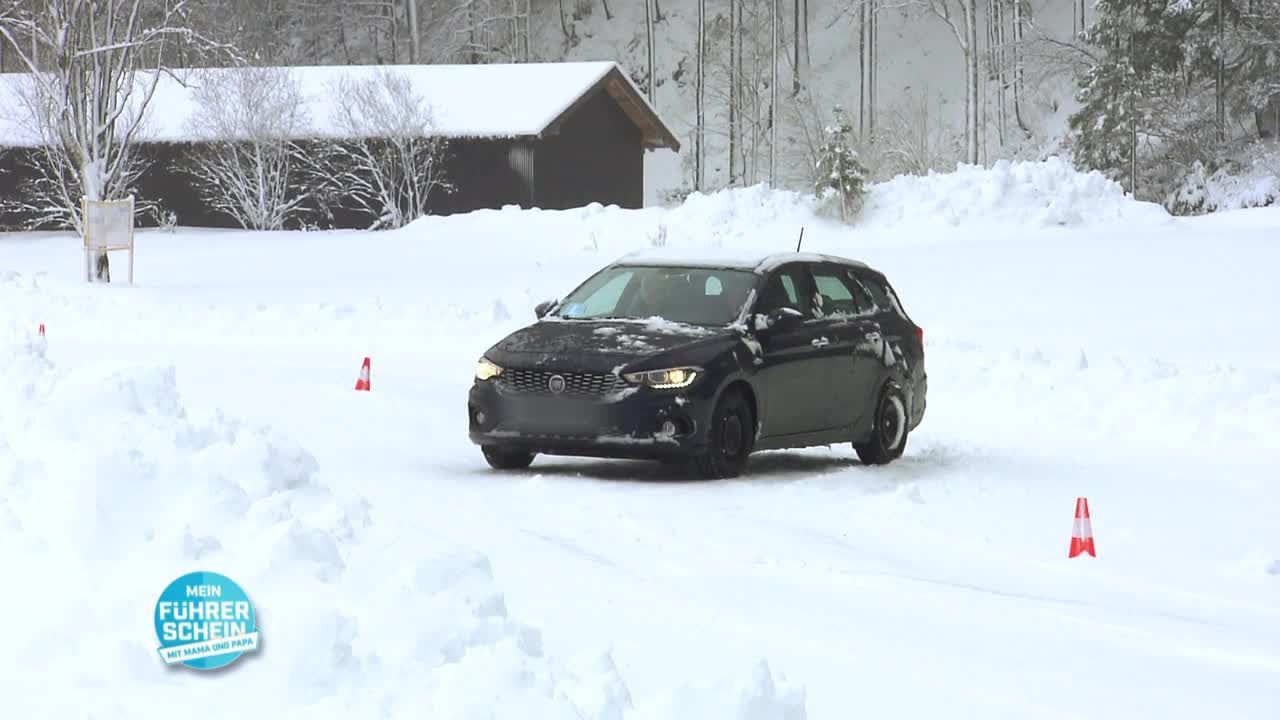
(883, 296)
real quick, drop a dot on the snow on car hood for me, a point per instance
(595, 345)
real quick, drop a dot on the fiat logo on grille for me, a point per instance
(556, 384)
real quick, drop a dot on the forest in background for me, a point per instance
(1162, 95)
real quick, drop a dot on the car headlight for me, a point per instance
(670, 378)
(486, 370)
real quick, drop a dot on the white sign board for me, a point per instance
(108, 225)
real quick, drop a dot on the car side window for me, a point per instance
(866, 305)
(785, 288)
(878, 294)
(837, 296)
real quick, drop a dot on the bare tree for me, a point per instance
(1220, 80)
(996, 61)
(913, 140)
(735, 71)
(649, 37)
(773, 92)
(1019, 32)
(248, 166)
(415, 38)
(699, 161)
(91, 98)
(392, 163)
(961, 17)
(742, 84)
(869, 10)
(800, 45)
(486, 31)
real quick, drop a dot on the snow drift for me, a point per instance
(1023, 193)
(111, 489)
(1007, 196)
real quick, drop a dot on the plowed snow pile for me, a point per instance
(1024, 194)
(108, 487)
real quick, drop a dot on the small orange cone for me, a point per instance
(1082, 531)
(363, 382)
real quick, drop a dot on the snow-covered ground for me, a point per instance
(1078, 345)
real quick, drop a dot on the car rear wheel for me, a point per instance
(729, 439)
(506, 459)
(889, 434)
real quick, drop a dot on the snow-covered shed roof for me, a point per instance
(465, 101)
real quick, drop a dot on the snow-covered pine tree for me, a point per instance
(1127, 95)
(838, 167)
(1254, 74)
(1174, 78)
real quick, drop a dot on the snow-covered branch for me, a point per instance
(391, 164)
(87, 100)
(248, 165)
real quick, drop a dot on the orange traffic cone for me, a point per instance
(1082, 531)
(363, 382)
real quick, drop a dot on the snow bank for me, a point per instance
(1024, 193)
(751, 217)
(111, 489)
(757, 218)
(760, 219)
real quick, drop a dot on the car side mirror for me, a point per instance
(544, 307)
(783, 319)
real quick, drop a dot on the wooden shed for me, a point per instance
(546, 135)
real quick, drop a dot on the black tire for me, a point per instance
(729, 439)
(889, 433)
(506, 459)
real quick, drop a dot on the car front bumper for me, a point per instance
(630, 426)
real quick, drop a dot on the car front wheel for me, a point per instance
(729, 439)
(506, 459)
(889, 434)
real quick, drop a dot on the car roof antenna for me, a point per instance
(801, 238)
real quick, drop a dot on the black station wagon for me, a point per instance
(705, 361)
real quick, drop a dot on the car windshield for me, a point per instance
(696, 296)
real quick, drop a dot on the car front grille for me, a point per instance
(581, 385)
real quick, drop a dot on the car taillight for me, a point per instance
(920, 336)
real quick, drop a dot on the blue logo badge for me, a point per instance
(204, 621)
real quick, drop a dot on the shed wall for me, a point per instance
(597, 156)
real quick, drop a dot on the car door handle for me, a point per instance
(820, 342)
